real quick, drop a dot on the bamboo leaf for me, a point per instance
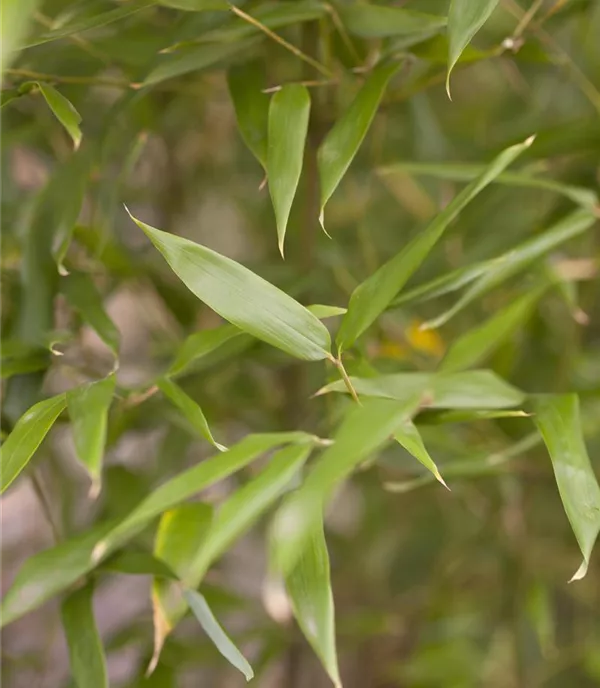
(379, 21)
(374, 295)
(215, 632)
(323, 312)
(133, 562)
(409, 437)
(63, 110)
(190, 409)
(15, 16)
(558, 420)
(88, 663)
(309, 588)
(196, 5)
(288, 125)
(88, 410)
(465, 18)
(26, 437)
(246, 82)
(242, 297)
(343, 141)
(201, 344)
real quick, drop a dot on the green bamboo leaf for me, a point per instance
(132, 562)
(18, 357)
(379, 21)
(63, 110)
(473, 389)
(558, 420)
(288, 125)
(15, 16)
(215, 632)
(196, 5)
(27, 436)
(464, 172)
(343, 141)
(54, 570)
(476, 345)
(362, 432)
(246, 82)
(465, 18)
(409, 437)
(88, 663)
(323, 312)
(514, 261)
(467, 416)
(82, 294)
(242, 297)
(374, 295)
(88, 410)
(201, 344)
(190, 409)
(309, 589)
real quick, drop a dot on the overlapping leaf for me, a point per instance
(379, 21)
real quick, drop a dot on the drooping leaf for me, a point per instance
(343, 141)
(242, 297)
(15, 16)
(215, 632)
(246, 82)
(190, 409)
(309, 588)
(82, 294)
(465, 18)
(288, 125)
(201, 344)
(363, 431)
(473, 389)
(88, 410)
(409, 437)
(512, 262)
(558, 420)
(477, 344)
(373, 296)
(63, 110)
(88, 663)
(27, 436)
(378, 21)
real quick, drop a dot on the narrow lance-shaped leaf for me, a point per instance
(477, 344)
(378, 21)
(288, 124)
(309, 588)
(190, 409)
(88, 663)
(374, 295)
(246, 82)
(558, 420)
(343, 141)
(409, 437)
(464, 21)
(63, 110)
(512, 262)
(27, 436)
(201, 344)
(361, 433)
(88, 410)
(242, 297)
(14, 23)
(215, 632)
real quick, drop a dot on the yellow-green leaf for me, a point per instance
(288, 124)
(410, 438)
(15, 16)
(63, 110)
(242, 297)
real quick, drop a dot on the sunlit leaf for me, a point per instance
(379, 21)
(88, 410)
(27, 436)
(465, 18)
(373, 296)
(558, 420)
(213, 629)
(323, 312)
(242, 297)
(409, 437)
(86, 654)
(343, 141)
(309, 588)
(63, 110)
(288, 125)
(190, 409)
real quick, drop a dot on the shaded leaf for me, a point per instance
(558, 420)
(222, 642)
(374, 295)
(409, 437)
(465, 18)
(190, 409)
(195, 5)
(137, 563)
(17, 357)
(63, 110)
(242, 297)
(27, 436)
(88, 410)
(288, 125)
(201, 344)
(343, 141)
(309, 588)
(88, 663)
(379, 21)
(15, 16)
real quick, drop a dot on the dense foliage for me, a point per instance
(275, 274)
